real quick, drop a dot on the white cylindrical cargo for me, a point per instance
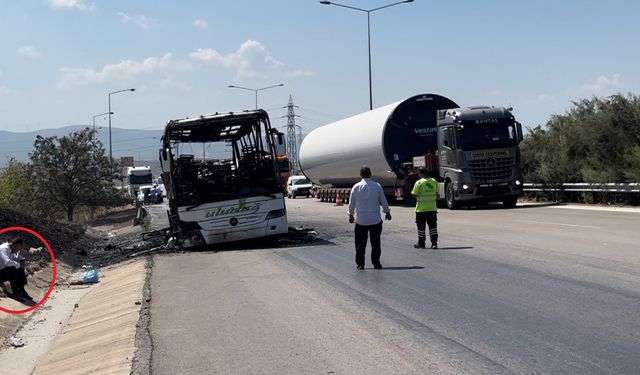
(382, 139)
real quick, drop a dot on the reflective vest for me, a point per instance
(425, 192)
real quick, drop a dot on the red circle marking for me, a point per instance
(53, 275)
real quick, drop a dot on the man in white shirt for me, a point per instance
(365, 200)
(12, 267)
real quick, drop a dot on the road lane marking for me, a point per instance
(563, 224)
(599, 208)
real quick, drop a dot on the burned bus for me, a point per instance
(222, 179)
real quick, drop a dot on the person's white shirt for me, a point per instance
(366, 198)
(8, 258)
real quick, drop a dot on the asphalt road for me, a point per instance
(544, 290)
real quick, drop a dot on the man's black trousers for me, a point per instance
(422, 220)
(15, 276)
(373, 232)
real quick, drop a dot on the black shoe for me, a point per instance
(434, 245)
(26, 295)
(360, 267)
(378, 266)
(418, 246)
(19, 296)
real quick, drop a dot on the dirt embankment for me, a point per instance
(107, 240)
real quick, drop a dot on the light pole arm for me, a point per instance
(240, 87)
(386, 6)
(255, 90)
(348, 6)
(115, 92)
(270, 87)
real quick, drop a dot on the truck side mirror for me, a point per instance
(281, 147)
(520, 135)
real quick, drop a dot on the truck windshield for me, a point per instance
(476, 137)
(137, 180)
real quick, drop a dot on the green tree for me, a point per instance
(16, 188)
(71, 171)
(597, 140)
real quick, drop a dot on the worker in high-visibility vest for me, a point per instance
(424, 191)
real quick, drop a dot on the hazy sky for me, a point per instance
(60, 58)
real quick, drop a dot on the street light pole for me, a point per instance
(110, 113)
(94, 123)
(368, 11)
(255, 90)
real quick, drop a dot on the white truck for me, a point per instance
(473, 152)
(137, 177)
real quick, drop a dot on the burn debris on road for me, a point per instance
(298, 236)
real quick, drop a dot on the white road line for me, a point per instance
(563, 224)
(599, 208)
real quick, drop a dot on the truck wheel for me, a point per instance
(450, 197)
(510, 202)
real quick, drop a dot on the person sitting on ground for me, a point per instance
(12, 267)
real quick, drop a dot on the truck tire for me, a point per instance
(510, 202)
(450, 197)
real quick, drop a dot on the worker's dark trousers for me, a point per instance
(373, 231)
(422, 220)
(16, 277)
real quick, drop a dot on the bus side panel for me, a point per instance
(233, 220)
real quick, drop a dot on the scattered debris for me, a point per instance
(35, 250)
(90, 275)
(16, 342)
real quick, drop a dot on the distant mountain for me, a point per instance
(141, 144)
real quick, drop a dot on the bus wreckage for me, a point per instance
(222, 179)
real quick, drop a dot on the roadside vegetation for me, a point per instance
(63, 175)
(596, 141)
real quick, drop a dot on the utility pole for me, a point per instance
(292, 137)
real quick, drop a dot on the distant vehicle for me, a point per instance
(473, 152)
(298, 186)
(237, 195)
(284, 169)
(137, 177)
(149, 194)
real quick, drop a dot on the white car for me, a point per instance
(298, 186)
(149, 194)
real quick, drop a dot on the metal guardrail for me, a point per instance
(585, 187)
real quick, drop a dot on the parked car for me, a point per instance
(149, 194)
(298, 186)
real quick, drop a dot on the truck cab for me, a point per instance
(479, 156)
(137, 177)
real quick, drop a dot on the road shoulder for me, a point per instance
(100, 335)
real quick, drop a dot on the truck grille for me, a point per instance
(491, 169)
